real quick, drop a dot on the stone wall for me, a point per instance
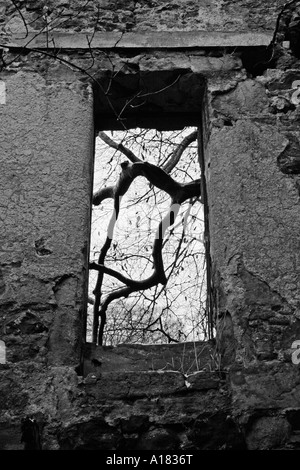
(130, 398)
(244, 392)
(144, 15)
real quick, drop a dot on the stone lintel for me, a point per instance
(136, 384)
(144, 40)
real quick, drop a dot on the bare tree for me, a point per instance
(172, 241)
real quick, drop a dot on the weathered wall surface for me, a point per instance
(253, 178)
(250, 392)
(46, 153)
(258, 255)
(133, 398)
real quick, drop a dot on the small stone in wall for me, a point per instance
(280, 104)
(289, 160)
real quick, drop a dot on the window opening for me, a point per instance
(174, 308)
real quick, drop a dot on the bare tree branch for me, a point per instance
(158, 276)
(116, 274)
(102, 194)
(178, 192)
(172, 162)
(168, 166)
(156, 176)
(128, 153)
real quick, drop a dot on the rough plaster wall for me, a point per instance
(253, 180)
(255, 243)
(46, 160)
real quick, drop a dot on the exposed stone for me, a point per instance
(226, 435)
(184, 358)
(265, 385)
(289, 159)
(137, 384)
(249, 97)
(203, 381)
(268, 433)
